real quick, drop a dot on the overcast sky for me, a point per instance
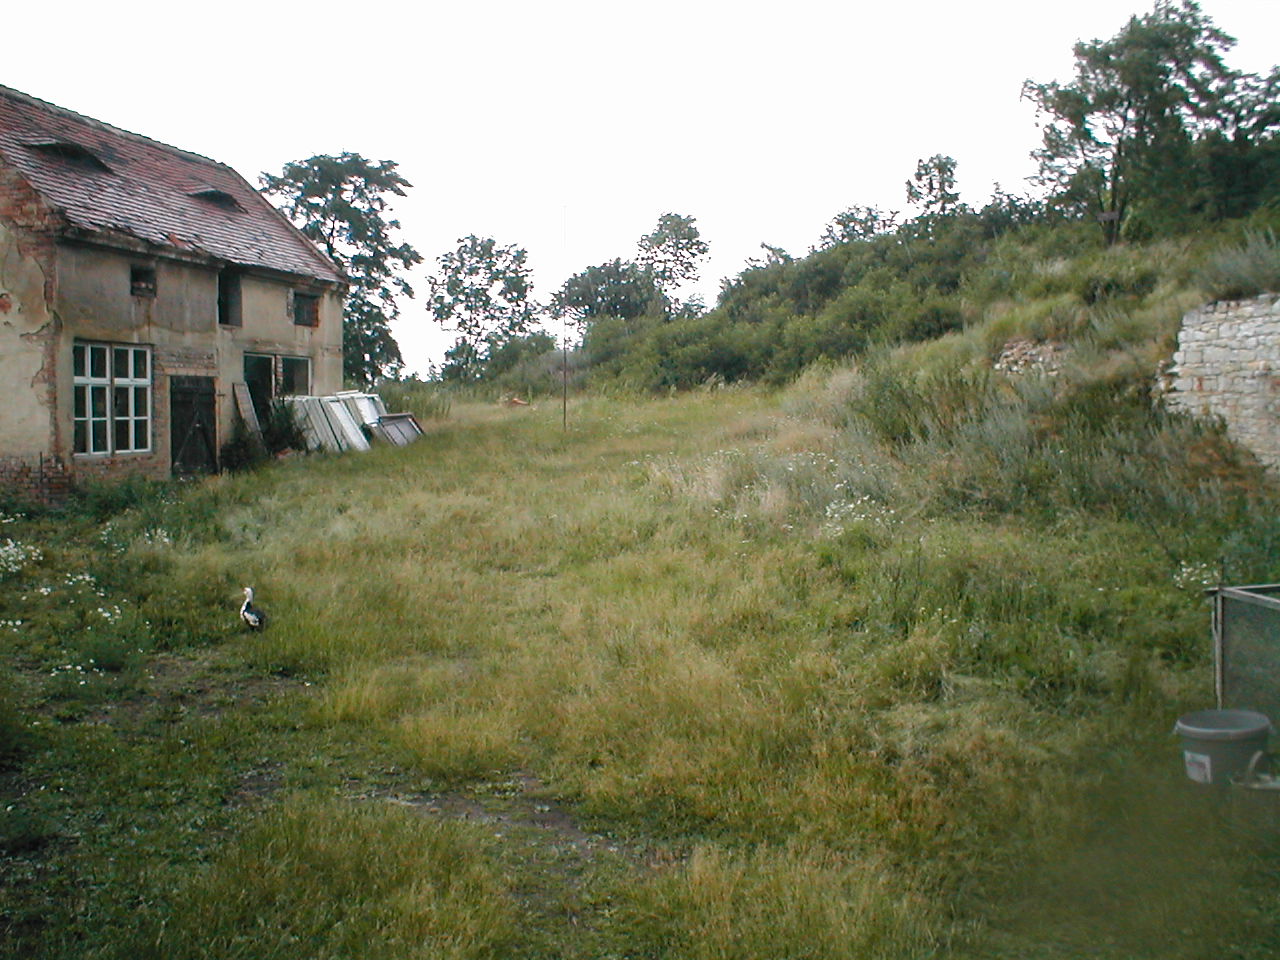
(569, 127)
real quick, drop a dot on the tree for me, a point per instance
(1238, 164)
(933, 186)
(672, 253)
(1121, 132)
(340, 203)
(481, 292)
(857, 223)
(773, 257)
(618, 289)
(1005, 212)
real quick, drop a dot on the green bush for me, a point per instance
(1114, 281)
(243, 449)
(282, 431)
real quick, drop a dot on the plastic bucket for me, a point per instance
(1219, 743)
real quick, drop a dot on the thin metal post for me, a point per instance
(1219, 605)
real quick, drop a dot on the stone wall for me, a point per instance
(1227, 365)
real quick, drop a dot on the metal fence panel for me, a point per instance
(1247, 648)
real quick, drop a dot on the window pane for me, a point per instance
(122, 434)
(98, 402)
(140, 439)
(82, 403)
(78, 360)
(122, 402)
(140, 365)
(120, 363)
(82, 437)
(140, 402)
(99, 437)
(294, 376)
(98, 362)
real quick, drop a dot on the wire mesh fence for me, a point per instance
(1246, 633)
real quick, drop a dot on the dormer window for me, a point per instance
(72, 153)
(142, 281)
(218, 198)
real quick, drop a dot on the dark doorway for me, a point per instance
(191, 425)
(260, 377)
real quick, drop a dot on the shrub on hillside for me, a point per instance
(1242, 271)
(901, 406)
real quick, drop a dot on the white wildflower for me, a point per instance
(1195, 576)
(14, 556)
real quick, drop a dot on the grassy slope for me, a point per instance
(707, 677)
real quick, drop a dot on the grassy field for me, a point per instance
(736, 674)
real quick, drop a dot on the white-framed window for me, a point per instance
(112, 389)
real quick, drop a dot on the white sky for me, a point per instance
(568, 127)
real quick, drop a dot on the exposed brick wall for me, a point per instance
(185, 360)
(123, 465)
(39, 479)
(1228, 365)
(37, 222)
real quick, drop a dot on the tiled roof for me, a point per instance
(149, 190)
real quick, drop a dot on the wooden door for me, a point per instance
(192, 446)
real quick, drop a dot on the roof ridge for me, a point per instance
(93, 122)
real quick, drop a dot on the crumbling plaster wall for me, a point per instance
(1227, 365)
(267, 327)
(27, 336)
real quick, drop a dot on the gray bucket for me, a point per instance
(1219, 743)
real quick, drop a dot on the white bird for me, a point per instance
(254, 617)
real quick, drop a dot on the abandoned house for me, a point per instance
(148, 296)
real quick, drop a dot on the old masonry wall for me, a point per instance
(1227, 365)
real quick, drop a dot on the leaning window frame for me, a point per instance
(112, 398)
(278, 363)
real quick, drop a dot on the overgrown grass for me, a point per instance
(335, 880)
(1246, 270)
(829, 673)
(426, 401)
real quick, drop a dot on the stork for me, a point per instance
(254, 617)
